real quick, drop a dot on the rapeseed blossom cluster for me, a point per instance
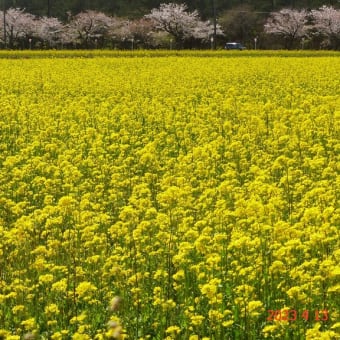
(169, 197)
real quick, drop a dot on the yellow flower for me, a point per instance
(173, 330)
(255, 308)
(296, 293)
(66, 202)
(18, 309)
(56, 336)
(193, 337)
(4, 334)
(52, 309)
(29, 324)
(210, 289)
(277, 267)
(336, 326)
(228, 323)
(269, 330)
(46, 278)
(179, 275)
(78, 319)
(215, 315)
(334, 289)
(60, 286)
(85, 289)
(315, 334)
(80, 336)
(168, 305)
(196, 320)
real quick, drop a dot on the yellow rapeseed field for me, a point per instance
(171, 197)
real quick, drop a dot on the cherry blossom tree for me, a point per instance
(288, 23)
(181, 24)
(141, 30)
(49, 30)
(88, 28)
(326, 22)
(19, 26)
(120, 31)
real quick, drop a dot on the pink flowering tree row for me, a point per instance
(91, 29)
(322, 24)
(168, 25)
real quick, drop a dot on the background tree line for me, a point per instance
(130, 24)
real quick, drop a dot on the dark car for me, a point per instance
(234, 46)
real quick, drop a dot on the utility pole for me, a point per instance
(4, 19)
(215, 24)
